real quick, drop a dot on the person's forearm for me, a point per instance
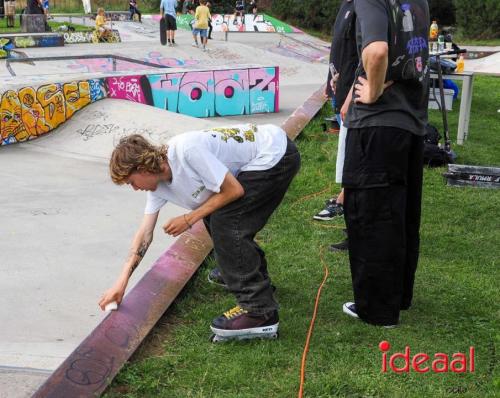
(138, 249)
(375, 60)
(229, 193)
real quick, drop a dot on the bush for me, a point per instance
(443, 11)
(313, 14)
(479, 19)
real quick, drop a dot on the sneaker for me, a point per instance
(340, 247)
(215, 277)
(204, 48)
(239, 322)
(195, 45)
(170, 44)
(349, 308)
(331, 210)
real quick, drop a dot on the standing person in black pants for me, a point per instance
(344, 57)
(382, 174)
(132, 4)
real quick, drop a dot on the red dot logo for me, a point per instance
(384, 346)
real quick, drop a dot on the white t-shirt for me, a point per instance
(200, 160)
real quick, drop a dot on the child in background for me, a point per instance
(202, 16)
(100, 24)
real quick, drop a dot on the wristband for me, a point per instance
(187, 222)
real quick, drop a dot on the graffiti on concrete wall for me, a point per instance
(247, 23)
(206, 93)
(30, 112)
(88, 37)
(41, 40)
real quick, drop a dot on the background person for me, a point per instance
(167, 10)
(344, 57)
(132, 7)
(382, 175)
(201, 16)
(103, 31)
(233, 179)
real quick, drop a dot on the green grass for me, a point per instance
(52, 24)
(455, 304)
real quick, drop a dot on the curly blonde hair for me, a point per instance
(135, 153)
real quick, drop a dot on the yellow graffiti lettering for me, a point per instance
(32, 113)
(51, 98)
(11, 124)
(77, 96)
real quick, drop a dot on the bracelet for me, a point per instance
(187, 222)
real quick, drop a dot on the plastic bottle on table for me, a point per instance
(440, 43)
(433, 31)
(460, 64)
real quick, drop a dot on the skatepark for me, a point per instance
(68, 230)
(66, 227)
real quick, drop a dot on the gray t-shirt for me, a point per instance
(404, 104)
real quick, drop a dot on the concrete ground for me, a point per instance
(65, 227)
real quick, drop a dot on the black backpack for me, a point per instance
(408, 44)
(435, 155)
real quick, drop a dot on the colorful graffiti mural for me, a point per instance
(28, 112)
(249, 23)
(89, 37)
(36, 40)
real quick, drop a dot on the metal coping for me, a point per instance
(113, 57)
(91, 367)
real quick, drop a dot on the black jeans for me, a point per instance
(233, 228)
(382, 179)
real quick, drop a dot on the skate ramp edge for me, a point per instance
(91, 367)
(27, 112)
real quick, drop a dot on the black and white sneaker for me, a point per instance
(349, 308)
(215, 277)
(332, 209)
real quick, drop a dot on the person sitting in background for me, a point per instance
(132, 6)
(100, 24)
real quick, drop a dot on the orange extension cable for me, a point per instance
(311, 327)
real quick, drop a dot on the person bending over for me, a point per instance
(231, 178)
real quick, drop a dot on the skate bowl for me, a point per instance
(28, 112)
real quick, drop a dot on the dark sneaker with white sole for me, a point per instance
(238, 323)
(215, 277)
(340, 247)
(332, 209)
(349, 308)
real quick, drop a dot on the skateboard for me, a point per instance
(163, 31)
